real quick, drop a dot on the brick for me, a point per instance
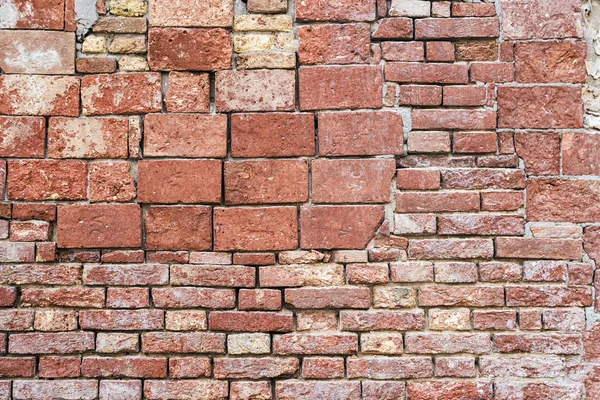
(259, 299)
(245, 390)
(495, 320)
(209, 275)
(267, 6)
(428, 249)
(437, 202)
(540, 152)
(189, 49)
(167, 389)
(455, 272)
(22, 137)
(177, 181)
(323, 368)
(314, 344)
(337, 10)
(534, 19)
(360, 133)
(458, 319)
(344, 227)
(29, 231)
(301, 275)
(87, 138)
(112, 24)
(8, 295)
(480, 225)
(28, 180)
(63, 297)
(410, 8)
(249, 343)
(474, 142)
(492, 72)
(121, 94)
(191, 297)
(316, 82)
(120, 389)
(117, 342)
(483, 179)
(181, 135)
(334, 44)
(59, 367)
(519, 107)
(99, 226)
(394, 28)
(500, 272)
(547, 62)
(403, 51)
(381, 343)
(57, 274)
(367, 273)
(411, 271)
(454, 119)
(506, 390)
(394, 297)
(178, 228)
(530, 366)
(552, 249)
(465, 96)
(83, 389)
(461, 296)
(546, 200)
(389, 367)
(125, 275)
(24, 51)
(186, 320)
(331, 297)
(426, 73)
(501, 201)
(440, 51)
(16, 320)
(95, 65)
(578, 152)
(565, 320)
(467, 390)
(111, 182)
(259, 90)
(476, 50)
(304, 390)
(127, 297)
(429, 142)
(456, 28)
(263, 182)
(187, 92)
(537, 343)
(207, 257)
(51, 343)
(548, 296)
(473, 10)
(254, 258)
(189, 367)
(255, 368)
(33, 15)
(316, 320)
(373, 390)
(217, 13)
(397, 320)
(272, 135)
(435, 343)
(175, 342)
(545, 271)
(420, 95)
(128, 367)
(351, 181)
(122, 320)
(39, 95)
(250, 321)
(417, 179)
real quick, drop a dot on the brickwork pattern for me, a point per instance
(297, 200)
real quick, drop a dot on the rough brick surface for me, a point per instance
(299, 200)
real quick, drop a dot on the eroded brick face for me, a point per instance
(299, 200)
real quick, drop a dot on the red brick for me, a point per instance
(263, 182)
(465, 96)
(254, 258)
(255, 368)
(189, 49)
(492, 72)
(99, 226)
(556, 200)
(454, 119)
(501, 201)
(189, 367)
(535, 19)
(474, 142)
(95, 65)
(455, 272)
(547, 62)
(579, 152)
(428, 142)
(434, 343)
(40, 390)
(187, 92)
(500, 272)
(528, 390)
(51, 343)
(437, 202)
(305, 390)
(334, 44)
(208, 257)
(403, 51)
(127, 297)
(22, 137)
(56, 274)
(545, 271)
(421, 95)
(175, 342)
(455, 367)
(256, 229)
(465, 296)
(316, 85)
(181, 135)
(313, 344)
(394, 28)
(272, 135)
(111, 182)
(259, 299)
(426, 73)
(537, 343)
(463, 390)
(316, 320)
(125, 275)
(63, 297)
(495, 320)
(122, 320)
(47, 180)
(258, 90)
(476, 50)
(540, 152)
(336, 10)
(417, 179)
(31, 14)
(323, 368)
(189, 13)
(201, 275)
(360, 133)
(343, 227)
(59, 367)
(389, 367)
(39, 95)
(37, 52)
(555, 249)
(178, 228)
(8, 295)
(29, 231)
(186, 320)
(352, 181)
(167, 389)
(301, 275)
(121, 93)
(334, 297)
(124, 367)
(177, 181)
(456, 28)
(548, 296)
(473, 10)
(440, 51)
(539, 107)
(412, 271)
(191, 297)
(475, 224)
(16, 320)
(483, 179)
(235, 321)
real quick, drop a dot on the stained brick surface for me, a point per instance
(299, 200)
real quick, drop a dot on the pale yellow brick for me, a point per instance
(253, 42)
(129, 8)
(128, 44)
(268, 60)
(133, 63)
(94, 44)
(262, 23)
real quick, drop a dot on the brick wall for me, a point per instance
(324, 200)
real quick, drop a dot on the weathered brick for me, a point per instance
(331, 297)
(259, 299)
(28, 180)
(382, 320)
(178, 228)
(189, 367)
(122, 320)
(475, 224)
(251, 321)
(127, 367)
(336, 10)
(39, 95)
(461, 296)
(506, 390)
(394, 28)
(83, 389)
(111, 182)
(537, 343)
(530, 366)
(218, 13)
(456, 28)
(191, 297)
(547, 62)
(389, 367)
(467, 390)
(437, 202)
(554, 249)
(59, 367)
(127, 297)
(55, 274)
(495, 320)
(120, 389)
(125, 275)
(63, 297)
(167, 389)
(323, 368)
(453, 119)
(208, 275)
(175, 342)
(548, 296)
(255, 368)
(51, 343)
(492, 72)
(535, 19)
(334, 44)
(313, 344)
(29, 14)
(37, 52)
(435, 343)
(426, 73)
(403, 51)
(22, 137)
